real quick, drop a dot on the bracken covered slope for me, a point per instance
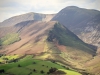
(29, 32)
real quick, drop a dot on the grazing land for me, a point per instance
(30, 66)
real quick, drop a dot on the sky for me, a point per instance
(9, 8)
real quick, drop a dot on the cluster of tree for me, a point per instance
(2, 71)
(14, 60)
(53, 61)
(19, 65)
(34, 70)
(30, 73)
(42, 71)
(10, 61)
(52, 70)
(34, 62)
(5, 58)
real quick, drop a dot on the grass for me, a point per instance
(27, 67)
(69, 72)
(9, 39)
(19, 71)
(43, 56)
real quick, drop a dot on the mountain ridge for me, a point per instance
(25, 17)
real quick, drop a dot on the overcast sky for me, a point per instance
(9, 8)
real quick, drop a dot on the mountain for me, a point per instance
(82, 22)
(46, 40)
(25, 17)
(53, 37)
(29, 31)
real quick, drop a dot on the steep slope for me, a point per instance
(25, 17)
(72, 48)
(83, 22)
(49, 41)
(63, 36)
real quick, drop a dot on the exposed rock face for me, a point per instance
(85, 23)
(26, 17)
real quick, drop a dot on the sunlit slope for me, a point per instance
(33, 36)
(9, 39)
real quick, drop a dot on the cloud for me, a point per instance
(10, 8)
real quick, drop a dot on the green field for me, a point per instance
(27, 67)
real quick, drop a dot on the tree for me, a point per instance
(53, 61)
(2, 71)
(67, 68)
(34, 70)
(48, 73)
(42, 71)
(5, 58)
(34, 62)
(42, 65)
(19, 65)
(30, 73)
(52, 70)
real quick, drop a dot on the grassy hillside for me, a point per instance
(65, 37)
(9, 39)
(8, 58)
(28, 64)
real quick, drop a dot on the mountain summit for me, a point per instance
(83, 22)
